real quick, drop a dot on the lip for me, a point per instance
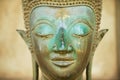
(62, 62)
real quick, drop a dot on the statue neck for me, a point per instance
(79, 78)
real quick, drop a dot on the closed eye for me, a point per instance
(78, 35)
(44, 30)
(80, 30)
(44, 36)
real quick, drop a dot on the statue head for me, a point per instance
(62, 36)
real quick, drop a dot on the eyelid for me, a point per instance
(42, 21)
(82, 21)
(44, 36)
(80, 36)
(76, 35)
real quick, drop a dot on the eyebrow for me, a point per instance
(41, 21)
(46, 21)
(81, 20)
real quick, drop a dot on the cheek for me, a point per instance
(82, 46)
(40, 46)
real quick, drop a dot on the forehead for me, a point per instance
(67, 13)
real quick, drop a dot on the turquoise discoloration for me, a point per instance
(43, 29)
(80, 30)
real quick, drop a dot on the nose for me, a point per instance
(61, 42)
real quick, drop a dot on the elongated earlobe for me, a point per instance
(100, 35)
(35, 69)
(35, 65)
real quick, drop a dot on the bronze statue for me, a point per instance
(62, 36)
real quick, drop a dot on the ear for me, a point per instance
(24, 36)
(100, 35)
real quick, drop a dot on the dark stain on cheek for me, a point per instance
(43, 49)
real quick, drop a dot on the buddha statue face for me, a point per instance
(62, 40)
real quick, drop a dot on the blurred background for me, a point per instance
(15, 58)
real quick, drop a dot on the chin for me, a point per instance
(66, 73)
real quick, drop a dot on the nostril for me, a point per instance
(62, 49)
(55, 47)
(70, 48)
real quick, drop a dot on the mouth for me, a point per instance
(62, 62)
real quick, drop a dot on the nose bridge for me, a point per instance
(61, 39)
